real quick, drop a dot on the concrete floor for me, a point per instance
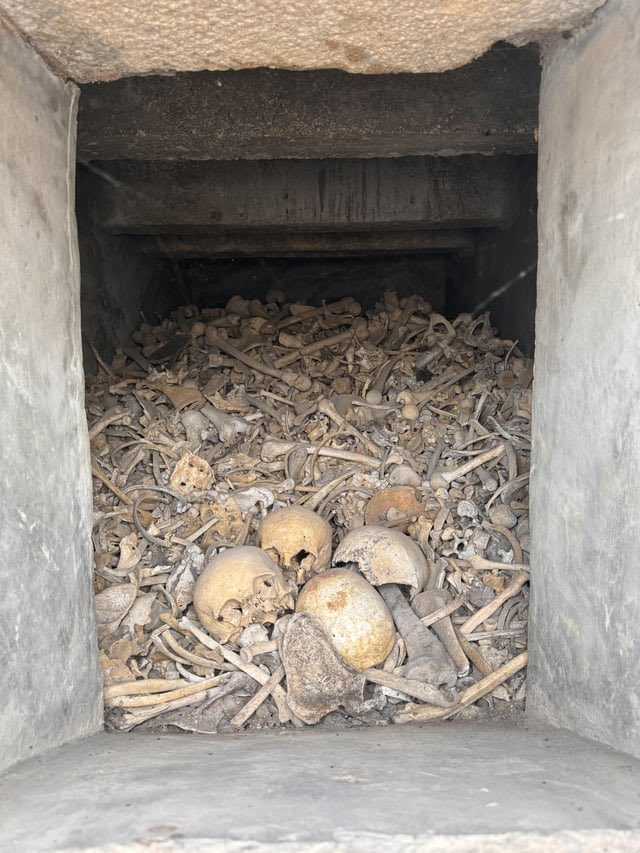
(453, 786)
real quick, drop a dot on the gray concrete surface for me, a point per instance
(117, 281)
(382, 787)
(584, 671)
(49, 679)
(504, 278)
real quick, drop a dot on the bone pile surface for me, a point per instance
(397, 589)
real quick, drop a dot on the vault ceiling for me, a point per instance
(94, 40)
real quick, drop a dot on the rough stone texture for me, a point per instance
(391, 788)
(49, 677)
(292, 243)
(102, 40)
(585, 668)
(117, 282)
(490, 107)
(407, 192)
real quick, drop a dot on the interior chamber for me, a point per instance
(194, 213)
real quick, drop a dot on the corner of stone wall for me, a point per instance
(584, 671)
(50, 677)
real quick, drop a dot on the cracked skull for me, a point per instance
(384, 556)
(239, 587)
(298, 539)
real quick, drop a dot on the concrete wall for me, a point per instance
(585, 619)
(49, 677)
(504, 278)
(500, 275)
(117, 281)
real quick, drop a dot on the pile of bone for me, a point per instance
(311, 515)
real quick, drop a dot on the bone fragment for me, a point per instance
(425, 604)
(442, 697)
(194, 424)
(480, 564)
(299, 381)
(446, 610)
(111, 416)
(318, 680)
(416, 713)
(511, 539)
(314, 501)
(310, 349)
(512, 485)
(97, 473)
(275, 448)
(299, 313)
(248, 710)
(327, 408)
(449, 476)
(471, 651)
(489, 609)
(139, 687)
(128, 701)
(427, 659)
(134, 716)
(251, 669)
(190, 657)
(228, 427)
(375, 392)
(249, 652)
(421, 397)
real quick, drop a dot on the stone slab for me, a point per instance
(149, 197)
(407, 788)
(488, 107)
(49, 677)
(101, 40)
(584, 671)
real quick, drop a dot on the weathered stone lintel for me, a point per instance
(323, 195)
(286, 243)
(489, 106)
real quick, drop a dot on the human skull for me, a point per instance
(353, 614)
(298, 539)
(384, 556)
(239, 587)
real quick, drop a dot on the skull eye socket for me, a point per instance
(300, 556)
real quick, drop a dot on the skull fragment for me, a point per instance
(384, 556)
(298, 539)
(353, 614)
(238, 588)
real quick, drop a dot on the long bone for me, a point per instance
(314, 347)
(300, 313)
(229, 427)
(425, 604)
(275, 448)
(326, 407)
(428, 659)
(289, 377)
